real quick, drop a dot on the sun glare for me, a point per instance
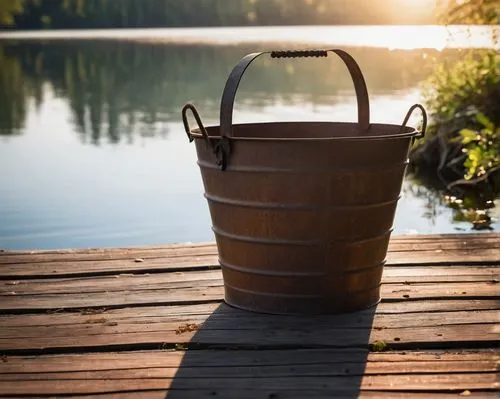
(411, 7)
(417, 3)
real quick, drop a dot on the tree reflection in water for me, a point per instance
(121, 89)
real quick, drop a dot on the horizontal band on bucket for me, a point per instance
(269, 273)
(271, 241)
(364, 269)
(301, 169)
(281, 295)
(302, 312)
(355, 135)
(274, 273)
(286, 207)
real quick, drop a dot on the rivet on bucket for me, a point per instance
(302, 211)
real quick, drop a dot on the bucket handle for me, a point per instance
(194, 111)
(424, 119)
(229, 94)
(221, 148)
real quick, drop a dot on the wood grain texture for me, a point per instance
(341, 371)
(206, 261)
(403, 250)
(117, 323)
(171, 293)
(333, 384)
(181, 312)
(157, 326)
(416, 361)
(229, 393)
(125, 281)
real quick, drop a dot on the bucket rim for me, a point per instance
(407, 132)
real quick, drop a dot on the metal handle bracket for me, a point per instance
(424, 119)
(220, 147)
(194, 111)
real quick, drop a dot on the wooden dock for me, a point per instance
(150, 323)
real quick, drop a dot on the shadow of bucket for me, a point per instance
(238, 354)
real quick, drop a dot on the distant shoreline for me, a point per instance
(390, 36)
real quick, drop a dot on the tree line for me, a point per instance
(81, 14)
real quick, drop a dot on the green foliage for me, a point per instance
(12, 94)
(463, 99)
(378, 346)
(456, 91)
(470, 86)
(461, 152)
(482, 147)
(45, 20)
(8, 8)
(480, 12)
(464, 103)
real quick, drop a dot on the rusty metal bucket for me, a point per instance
(302, 211)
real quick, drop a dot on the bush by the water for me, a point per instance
(461, 153)
(463, 144)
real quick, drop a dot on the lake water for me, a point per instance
(93, 152)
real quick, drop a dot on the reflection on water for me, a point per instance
(119, 89)
(93, 153)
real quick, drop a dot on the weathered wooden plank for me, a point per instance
(165, 296)
(414, 382)
(106, 291)
(126, 282)
(204, 261)
(174, 246)
(452, 240)
(102, 267)
(187, 312)
(426, 337)
(202, 294)
(89, 326)
(476, 246)
(168, 262)
(227, 326)
(484, 256)
(153, 260)
(86, 325)
(190, 370)
(108, 254)
(428, 273)
(107, 250)
(121, 282)
(379, 362)
(439, 272)
(314, 393)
